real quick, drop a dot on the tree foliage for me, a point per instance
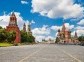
(11, 36)
(26, 38)
(81, 38)
(57, 40)
(7, 36)
(2, 35)
(23, 36)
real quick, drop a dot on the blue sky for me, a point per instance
(46, 16)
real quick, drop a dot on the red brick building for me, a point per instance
(64, 36)
(14, 27)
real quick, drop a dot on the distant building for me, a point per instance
(64, 35)
(75, 38)
(14, 27)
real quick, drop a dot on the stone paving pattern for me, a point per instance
(42, 53)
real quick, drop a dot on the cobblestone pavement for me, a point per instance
(42, 53)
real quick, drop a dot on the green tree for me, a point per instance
(23, 36)
(7, 36)
(57, 40)
(81, 39)
(27, 38)
(2, 34)
(11, 36)
(30, 39)
(1, 27)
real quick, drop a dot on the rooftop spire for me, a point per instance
(76, 34)
(13, 14)
(63, 27)
(24, 27)
(13, 20)
(29, 29)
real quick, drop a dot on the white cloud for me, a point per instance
(32, 22)
(57, 8)
(24, 2)
(6, 18)
(79, 28)
(41, 31)
(79, 32)
(39, 38)
(49, 37)
(81, 22)
(55, 28)
(67, 25)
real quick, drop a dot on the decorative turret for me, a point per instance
(24, 27)
(76, 35)
(29, 29)
(58, 30)
(58, 35)
(63, 27)
(13, 20)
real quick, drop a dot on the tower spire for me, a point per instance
(24, 27)
(13, 20)
(29, 29)
(76, 34)
(63, 27)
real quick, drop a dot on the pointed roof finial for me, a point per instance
(24, 27)
(13, 14)
(63, 27)
(75, 34)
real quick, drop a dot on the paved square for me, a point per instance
(42, 53)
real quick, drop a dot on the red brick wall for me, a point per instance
(16, 29)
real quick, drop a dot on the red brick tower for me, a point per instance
(24, 27)
(14, 27)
